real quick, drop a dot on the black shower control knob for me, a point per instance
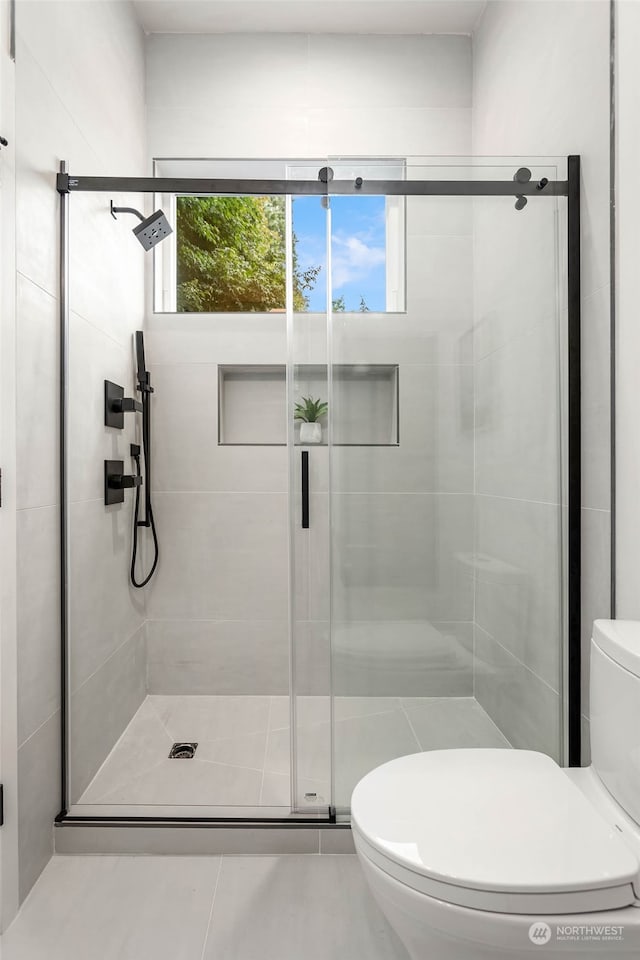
(122, 481)
(126, 405)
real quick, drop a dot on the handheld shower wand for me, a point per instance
(145, 388)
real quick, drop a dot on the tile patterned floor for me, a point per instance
(201, 908)
(243, 754)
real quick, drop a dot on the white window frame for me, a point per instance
(165, 254)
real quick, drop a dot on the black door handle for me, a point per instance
(305, 489)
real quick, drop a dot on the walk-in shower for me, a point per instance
(366, 478)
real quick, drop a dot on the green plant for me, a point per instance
(231, 256)
(310, 410)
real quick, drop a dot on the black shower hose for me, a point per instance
(136, 527)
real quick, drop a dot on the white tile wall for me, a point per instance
(38, 617)
(396, 527)
(319, 95)
(627, 332)
(520, 48)
(79, 97)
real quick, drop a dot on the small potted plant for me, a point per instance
(309, 412)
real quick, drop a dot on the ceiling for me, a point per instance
(309, 16)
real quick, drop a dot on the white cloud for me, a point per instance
(353, 259)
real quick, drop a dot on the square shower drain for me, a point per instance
(182, 751)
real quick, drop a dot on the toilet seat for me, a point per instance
(499, 830)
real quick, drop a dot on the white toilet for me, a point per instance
(475, 854)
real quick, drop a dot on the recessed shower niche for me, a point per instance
(252, 403)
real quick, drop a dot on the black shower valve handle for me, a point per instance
(126, 405)
(122, 481)
(116, 481)
(116, 405)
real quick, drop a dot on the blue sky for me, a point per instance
(357, 249)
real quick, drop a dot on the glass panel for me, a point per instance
(447, 605)
(201, 654)
(307, 394)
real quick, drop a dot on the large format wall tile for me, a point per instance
(416, 101)
(312, 657)
(103, 706)
(416, 71)
(38, 602)
(104, 608)
(217, 657)
(99, 94)
(570, 108)
(596, 582)
(370, 131)
(400, 556)
(102, 249)
(185, 437)
(524, 708)
(221, 338)
(402, 658)
(316, 131)
(38, 800)
(596, 401)
(208, 62)
(514, 268)
(93, 358)
(37, 391)
(518, 418)
(45, 134)
(435, 452)
(518, 581)
(224, 556)
(437, 328)
(74, 88)
(436, 216)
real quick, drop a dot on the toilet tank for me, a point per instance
(615, 710)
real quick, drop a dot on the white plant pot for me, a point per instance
(310, 433)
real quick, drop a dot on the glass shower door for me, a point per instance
(308, 443)
(446, 404)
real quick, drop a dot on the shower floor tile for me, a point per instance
(243, 753)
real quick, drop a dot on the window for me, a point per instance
(228, 253)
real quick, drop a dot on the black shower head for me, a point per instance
(151, 230)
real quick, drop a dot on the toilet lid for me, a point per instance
(503, 830)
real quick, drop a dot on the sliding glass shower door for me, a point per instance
(308, 232)
(446, 461)
(360, 481)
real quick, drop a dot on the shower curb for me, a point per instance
(202, 839)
